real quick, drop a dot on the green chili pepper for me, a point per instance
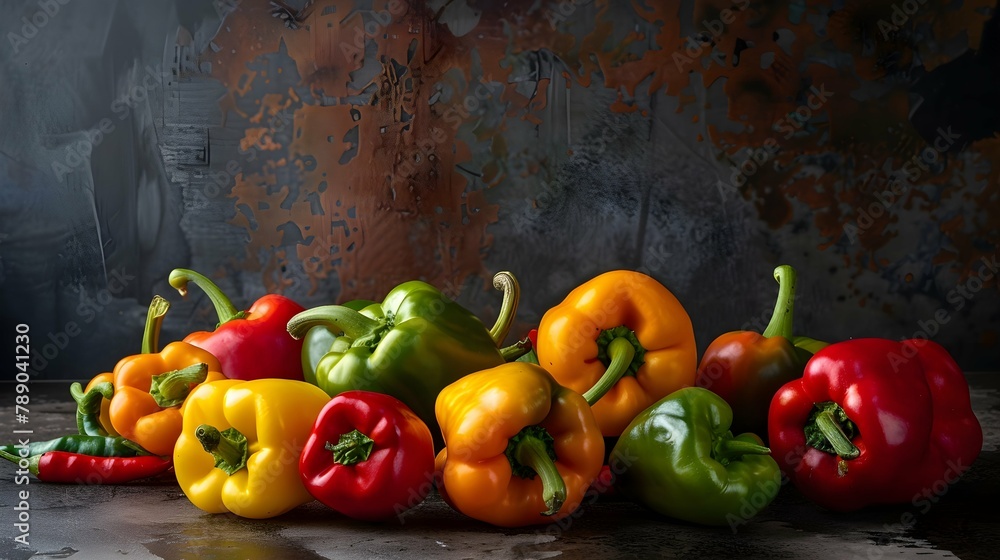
(97, 446)
(681, 460)
(88, 407)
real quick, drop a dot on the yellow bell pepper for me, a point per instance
(240, 443)
(502, 427)
(623, 341)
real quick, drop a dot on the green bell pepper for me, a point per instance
(412, 345)
(681, 460)
(318, 341)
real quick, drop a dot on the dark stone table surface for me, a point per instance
(156, 520)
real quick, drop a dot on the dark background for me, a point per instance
(331, 150)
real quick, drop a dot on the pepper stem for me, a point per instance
(621, 351)
(179, 278)
(171, 388)
(828, 425)
(88, 407)
(229, 447)
(531, 452)
(516, 350)
(353, 447)
(154, 320)
(508, 308)
(727, 449)
(338, 318)
(781, 319)
(16, 459)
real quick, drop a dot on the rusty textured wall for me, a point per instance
(328, 150)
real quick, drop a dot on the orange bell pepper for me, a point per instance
(623, 341)
(519, 448)
(150, 387)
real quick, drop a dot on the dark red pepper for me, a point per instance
(74, 468)
(249, 344)
(368, 456)
(875, 421)
(746, 368)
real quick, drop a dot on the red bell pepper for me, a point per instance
(875, 421)
(746, 368)
(249, 344)
(368, 456)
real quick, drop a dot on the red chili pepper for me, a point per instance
(74, 468)
(249, 344)
(368, 456)
(874, 421)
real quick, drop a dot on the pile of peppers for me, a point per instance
(370, 406)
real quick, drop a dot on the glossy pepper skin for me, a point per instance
(368, 456)
(240, 443)
(93, 405)
(249, 344)
(96, 446)
(410, 346)
(75, 468)
(875, 421)
(681, 460)
(149, 389)
(520, 448)
(747, 368)
(623, 341)
(318, 340)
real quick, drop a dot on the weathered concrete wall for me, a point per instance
(332, 152)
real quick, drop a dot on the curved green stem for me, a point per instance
(727, 449)
(516, 350)
(9, 456)
(229, 447)
(831, 430)
(336, 317)
(781, 319)
(16, 459)
(621, 351)
(154, 321)
(353, 447)
(511, 296)
(171, 388)
(179, 278)
(531, 452)
(810, 345)
(88, 407)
